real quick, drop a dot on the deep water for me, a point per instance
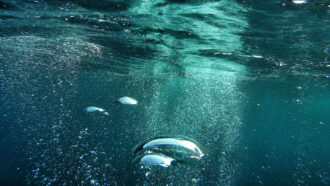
(249, 80)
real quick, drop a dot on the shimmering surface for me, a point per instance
(249, 80)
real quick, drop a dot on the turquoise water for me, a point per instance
(249, 80)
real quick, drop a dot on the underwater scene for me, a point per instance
(164, 92)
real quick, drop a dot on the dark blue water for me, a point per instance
(249, 80)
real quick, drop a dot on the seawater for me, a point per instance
(249, 80)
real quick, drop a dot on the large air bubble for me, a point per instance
(160, 150)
